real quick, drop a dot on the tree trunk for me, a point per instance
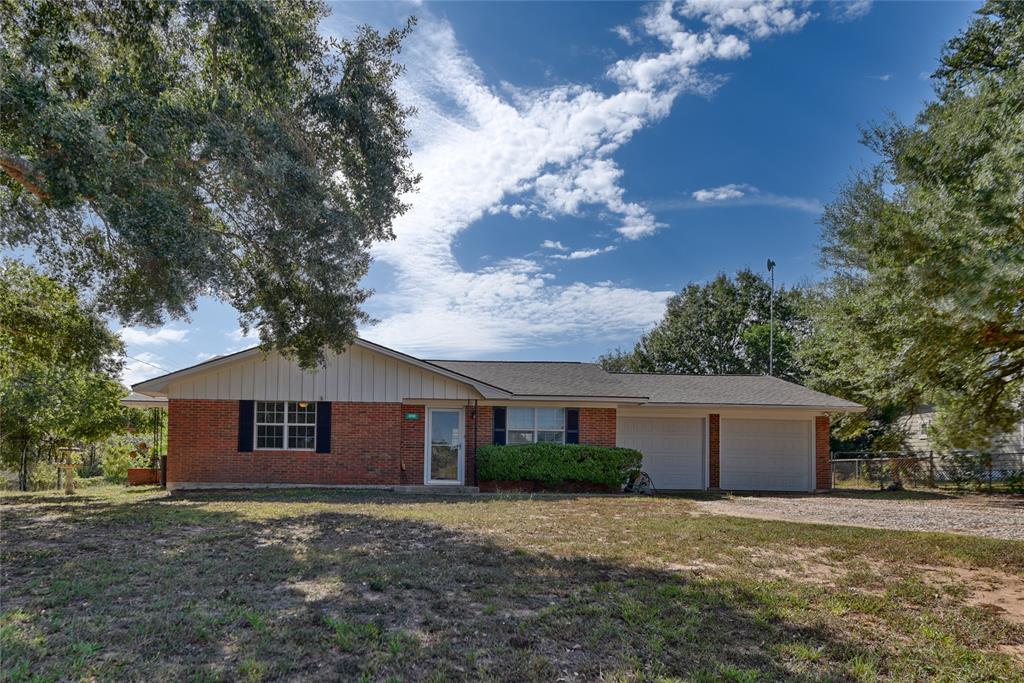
(23, 473)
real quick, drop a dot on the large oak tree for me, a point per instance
(156, 151)
(720, 327)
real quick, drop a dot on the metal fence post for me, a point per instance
(931, 469)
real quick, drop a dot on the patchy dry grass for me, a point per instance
(133, 584)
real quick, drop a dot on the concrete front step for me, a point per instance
(437, 489)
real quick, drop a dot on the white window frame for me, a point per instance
(284, 443)
(535, 426)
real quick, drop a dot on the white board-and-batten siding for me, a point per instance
(358, 375)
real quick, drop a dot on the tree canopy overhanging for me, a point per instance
(157, 151)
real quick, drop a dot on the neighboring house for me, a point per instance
(375, 417)
(917, 423)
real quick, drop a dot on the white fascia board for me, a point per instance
(751, 406)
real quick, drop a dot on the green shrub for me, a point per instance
(555, 463)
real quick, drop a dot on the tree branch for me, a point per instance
(24, 174)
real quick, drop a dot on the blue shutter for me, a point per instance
(246, 422)
(323, 426)
(499, 427)
(572, 425)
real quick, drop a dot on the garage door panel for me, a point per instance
(673, 449)
(765, 455)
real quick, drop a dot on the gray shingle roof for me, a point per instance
(528, 378)
(543, 378)
(748, 390)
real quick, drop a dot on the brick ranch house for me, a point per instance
(372, 416)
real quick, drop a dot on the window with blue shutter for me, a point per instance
(246, 415)
(572, 425)
(499, 427)
(323, 427)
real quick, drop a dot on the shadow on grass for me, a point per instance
(165, 589)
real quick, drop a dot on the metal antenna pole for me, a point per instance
(771, 321)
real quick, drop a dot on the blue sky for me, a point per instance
(582, 161)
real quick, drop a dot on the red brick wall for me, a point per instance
(369, 443)
(413, 431)
(714, 461)
(597, 426)
(479, 432)
(822, 448)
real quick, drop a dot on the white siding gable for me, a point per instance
(358, 375)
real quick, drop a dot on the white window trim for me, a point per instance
(535, 429)
(284, 447)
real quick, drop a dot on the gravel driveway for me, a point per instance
(993, 516)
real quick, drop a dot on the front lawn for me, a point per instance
(133, 584)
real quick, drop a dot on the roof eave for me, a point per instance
(776, 406)
(638, 400)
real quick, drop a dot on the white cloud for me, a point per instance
(141, 336)
(719, 194)
(849, 10)
(739, 194)
(141, 366)
(239, 335)
(584, 253)
(624, 33)
(882, 77)
(553, 244)
(756, 18)
(481, 149)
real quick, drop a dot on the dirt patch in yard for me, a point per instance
(995, 591)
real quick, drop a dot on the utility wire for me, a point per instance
(147, 363)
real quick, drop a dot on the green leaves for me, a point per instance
(58, 366)
(156, 152)
(721, 327)
(555, 463)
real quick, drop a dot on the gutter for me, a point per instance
(778, 406)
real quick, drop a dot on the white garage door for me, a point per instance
(673, 449)
(765, 455)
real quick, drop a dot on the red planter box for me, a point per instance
(143, 476)
(527, 486)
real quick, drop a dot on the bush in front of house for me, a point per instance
(557, 463)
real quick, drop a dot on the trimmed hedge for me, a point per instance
(555, 463)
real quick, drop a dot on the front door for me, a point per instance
(443, 460)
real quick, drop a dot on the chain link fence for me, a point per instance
(962, 470)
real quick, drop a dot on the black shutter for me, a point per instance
(499, 427)
(323, 426)
(246, 420)
(572, 425)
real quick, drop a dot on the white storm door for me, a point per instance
(444, 456)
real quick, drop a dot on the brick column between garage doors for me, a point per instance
(822, 464)
(714, 427)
